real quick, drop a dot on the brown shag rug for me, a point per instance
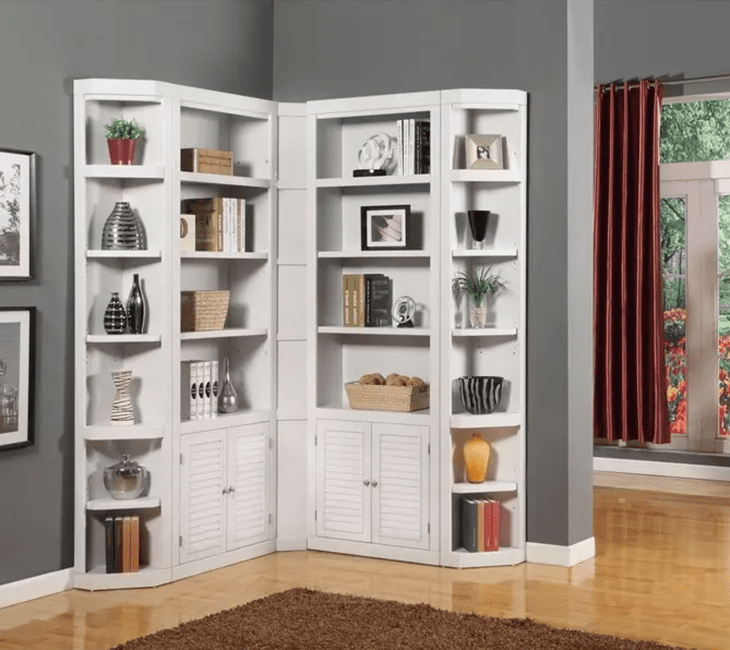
(302, 619)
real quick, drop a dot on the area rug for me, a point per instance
(302, 619)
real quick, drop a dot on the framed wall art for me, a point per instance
(384, 227)
(17, 376)
(483, 151)
(17, 213)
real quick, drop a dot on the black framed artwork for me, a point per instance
(384, 227)
(17, 213)
(17, 376)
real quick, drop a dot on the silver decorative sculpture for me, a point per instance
(404, 308)
(227, 396)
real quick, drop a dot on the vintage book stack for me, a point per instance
(366, 300)
(480, 524)
(200, 389)
(220, 223)
(122, 543)
(414, 146)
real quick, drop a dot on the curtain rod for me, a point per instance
(676, 82)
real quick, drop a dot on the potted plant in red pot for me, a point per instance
(122, 136)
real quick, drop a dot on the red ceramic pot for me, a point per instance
(121, 152)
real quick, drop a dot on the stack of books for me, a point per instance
(220, 223)
(414, 146)
(122, 543)
(199, 383)
(366, 300)
(480, 524)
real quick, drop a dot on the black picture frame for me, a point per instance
(384, 227)
(17, 363)
(18, 202)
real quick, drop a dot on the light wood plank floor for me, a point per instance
(662, 572)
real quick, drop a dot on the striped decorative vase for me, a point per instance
(123, 230)
(122, 411)
(115, 318)
(476, 459)
(480, 395)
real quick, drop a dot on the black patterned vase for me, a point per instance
(115, 318)
(480, 395)
(136, 307)
(123, 230)
(478, 225)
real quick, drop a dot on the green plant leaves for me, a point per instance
(121, 129)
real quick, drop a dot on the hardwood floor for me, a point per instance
(662, 572)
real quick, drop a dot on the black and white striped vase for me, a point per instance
(123, 229)
(115, 317)
(480, 395)
(122, 410)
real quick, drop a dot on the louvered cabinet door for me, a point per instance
(400, 485)
(202, 516)
(343, 480)
(248, 472)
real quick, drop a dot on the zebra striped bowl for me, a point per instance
(480, 395)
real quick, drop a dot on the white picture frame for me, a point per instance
(483, 151)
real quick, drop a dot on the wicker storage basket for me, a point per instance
(207, 161)
(387, 398)
(202, 311)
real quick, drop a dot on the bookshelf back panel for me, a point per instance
(339, 213)
(329, 353)
(149, 148)
(250, 368)
(409, 277)
(146, 198)
(292, 380)
(248, 138)
(294, 301)
(486, 121)
(503, 223)
(488, 356)
(339, 140)
(144, 360)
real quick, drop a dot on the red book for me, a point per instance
(496, 506)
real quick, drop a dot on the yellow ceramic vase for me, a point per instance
(476, 459)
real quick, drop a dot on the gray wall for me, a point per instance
(668, 40)
(44, 44)
(325, 49)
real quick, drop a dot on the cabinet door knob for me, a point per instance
(224, 491)
(366, 483)
(231, 489)
(375, 484)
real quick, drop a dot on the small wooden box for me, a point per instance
(187, 232)
(206, 161)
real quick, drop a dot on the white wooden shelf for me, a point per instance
(123, 255)
(334, 412)
(123, 338)
(487, 421)
(144, 503)
(124, 171)
(228, 333)
(222, 420)
(485, 176)
(484, 331)
(221, 179)
(374, 181)
(365, 255)
(207, 255)
(98, 578)
(487, 486)
(487, 252)
(376, 331)
(124, 432)
(462, 559)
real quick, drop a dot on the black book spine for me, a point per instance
(419, 153)
(380, 301)
(469, 525)
(425, 147)
(109, 531)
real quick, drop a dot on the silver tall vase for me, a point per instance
(227, 396)
(123, 230)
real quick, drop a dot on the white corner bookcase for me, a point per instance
(378, 483)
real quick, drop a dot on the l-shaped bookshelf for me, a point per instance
(380, 483)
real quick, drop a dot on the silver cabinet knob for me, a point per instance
(366, 483)
(375, 484)
(224, 491)
(231, 489)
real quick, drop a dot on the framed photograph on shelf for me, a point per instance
(384, 227)
(17, 376)
(483, 151)
(17, 212)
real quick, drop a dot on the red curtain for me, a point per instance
(630, 394)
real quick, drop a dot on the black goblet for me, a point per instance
(478, 224)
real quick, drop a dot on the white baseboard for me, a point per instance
(299, 544)
(659, 468)
(561, 555)
(35, 587)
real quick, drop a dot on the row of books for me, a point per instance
(414, 146)
(122, 543)
(366, 300)
(200, 383)
(220, 223)
(480, 524)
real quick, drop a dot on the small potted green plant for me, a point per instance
(479, 285)
(122, 136)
